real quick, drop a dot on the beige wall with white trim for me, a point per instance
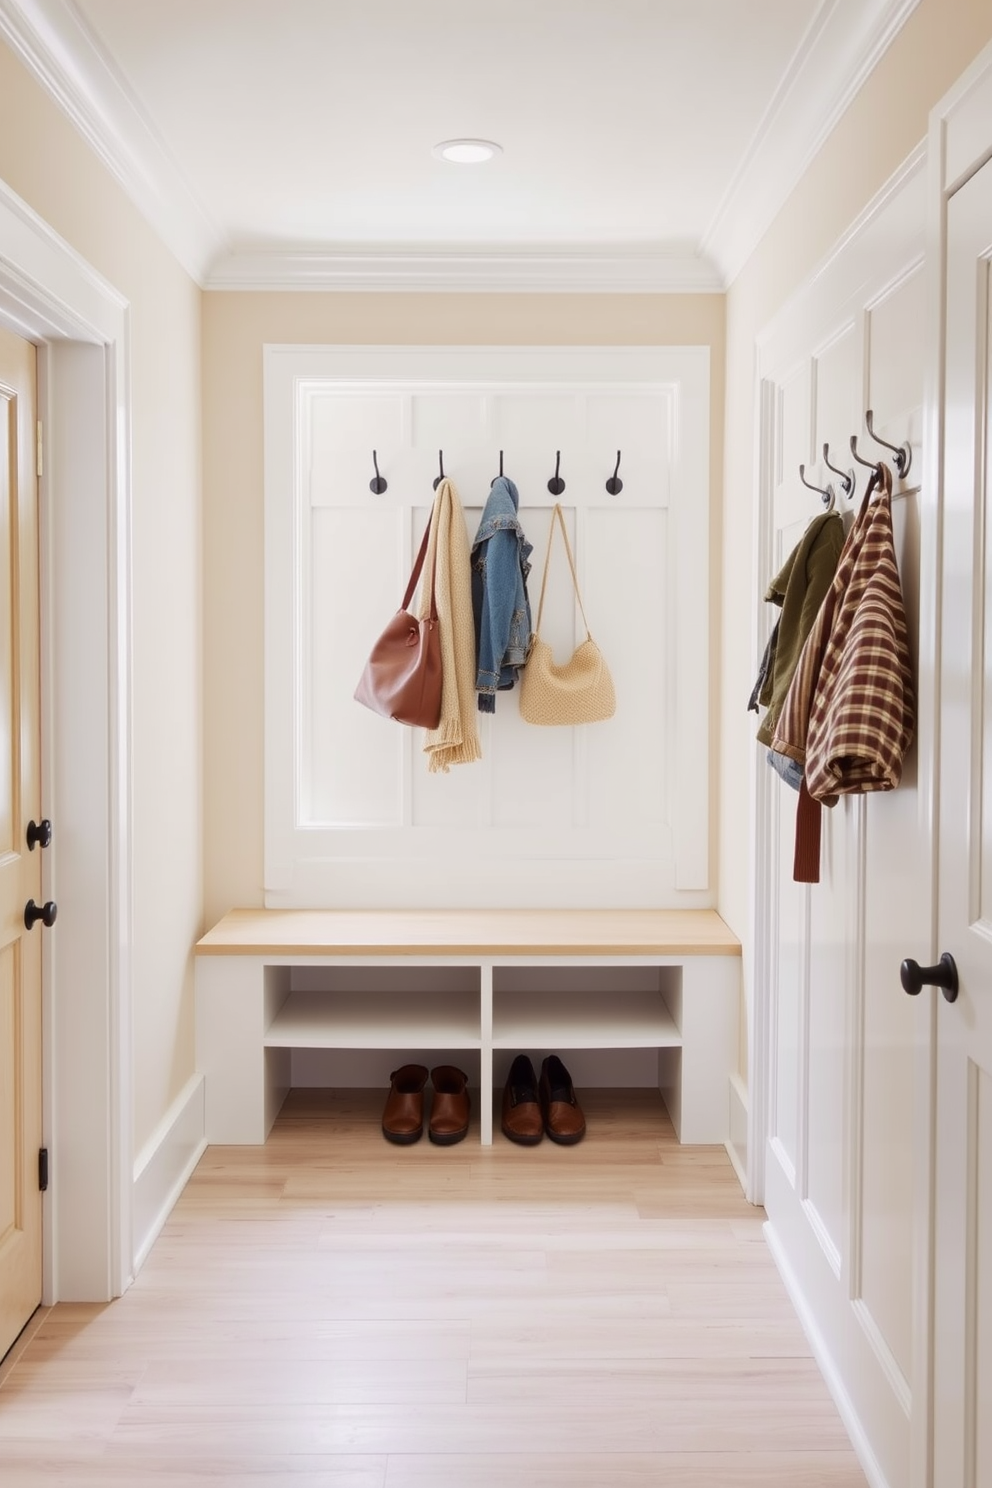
(235, 328)
(884, 124)
(45, 162)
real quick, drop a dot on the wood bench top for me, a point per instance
(477, 932)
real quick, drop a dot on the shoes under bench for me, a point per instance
(532, 1107)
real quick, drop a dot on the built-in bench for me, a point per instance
(482, 985)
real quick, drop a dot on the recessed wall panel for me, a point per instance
(897, 361)
(343, 431)
(790, 975)
(831, 922)
(896, 925)
(836, 412)
(351, 765)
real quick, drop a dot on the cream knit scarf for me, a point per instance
(455, 741)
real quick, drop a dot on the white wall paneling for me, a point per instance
(611, 814)
(843, 1184)
(961, 242)
(51, 296)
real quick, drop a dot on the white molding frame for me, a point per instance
(826, 1362)
(958, 147)
(51, 296)
(845, 282)
(58, 48)
(544, 269)
(380, 875)
(832, 62)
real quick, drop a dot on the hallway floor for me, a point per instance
(332, 1310)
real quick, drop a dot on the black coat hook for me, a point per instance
(846, 476)
(903, 452)
(496, 477)
(870, 464)
(826, 493)
(377, 484)
(556, 485)
(615, 485)
(440, 465)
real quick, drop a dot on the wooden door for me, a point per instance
(20, 869)
(963, 1225)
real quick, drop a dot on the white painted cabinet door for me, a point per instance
(963, 1226)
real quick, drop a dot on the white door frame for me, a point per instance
(51, 296)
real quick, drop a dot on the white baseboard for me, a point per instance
(164, 1165)
(823, 1357)
(737, 1145)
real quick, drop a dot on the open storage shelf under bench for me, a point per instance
(416, 982)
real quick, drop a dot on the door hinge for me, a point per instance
(40, 453)
(43, 1169)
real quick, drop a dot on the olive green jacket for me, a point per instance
(800, 589)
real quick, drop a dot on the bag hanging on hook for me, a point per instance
(582, 690)
(402, 677)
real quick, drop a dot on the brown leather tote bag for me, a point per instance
(402, 677)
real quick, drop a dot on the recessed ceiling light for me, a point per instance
(467, 151)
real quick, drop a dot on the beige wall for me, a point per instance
(235, 328)
(45, 162)
(884, 124)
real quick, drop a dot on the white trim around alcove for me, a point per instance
(80, 324)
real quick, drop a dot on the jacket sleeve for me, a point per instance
(497, 613)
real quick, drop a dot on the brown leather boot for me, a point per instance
(563, 1118)
(449, 1111)
(522, 1120)
(403, 1116)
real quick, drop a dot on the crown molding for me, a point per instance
(482, 270)
(842, 45)
(54, 43)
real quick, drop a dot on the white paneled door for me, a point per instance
(20, 870)
(963, 1230)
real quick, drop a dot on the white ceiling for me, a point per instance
(646, 143)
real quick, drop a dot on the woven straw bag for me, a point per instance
(581, 691)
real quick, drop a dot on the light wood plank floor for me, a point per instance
(332, 1310)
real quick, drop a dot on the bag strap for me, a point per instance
(558, 515)
(411, 586)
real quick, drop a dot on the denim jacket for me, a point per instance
(500, 565)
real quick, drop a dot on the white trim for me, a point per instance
(828, 1368)
(51, 296)
(737, 1147)
(55, 43)
(556, 269)
(165, 1164)
(831, 64)
(835, 57)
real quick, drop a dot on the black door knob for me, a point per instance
(944, 975)
(44, 912)
(39, 834)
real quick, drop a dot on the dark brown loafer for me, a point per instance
(403, 1117)
(563, 1118)
(449, 1111)
(522, 1120)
